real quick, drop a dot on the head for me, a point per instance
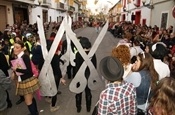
(122, 53)
(145, 62)
(18, 47)
(136, 42)
(29, 36)
(13, 35)
(18, 38)
(159, 50)
(162, 101)
(148, 48)
(172, 35)
(111, 69)
(85, 43)
(53, 34)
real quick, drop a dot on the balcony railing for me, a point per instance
(46, 3)
(71, 8)
(61, 5)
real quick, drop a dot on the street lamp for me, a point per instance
(149, 5)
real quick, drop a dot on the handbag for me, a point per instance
(95, 111)
(34, 69)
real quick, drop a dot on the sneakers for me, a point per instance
(47, 99)
(53, 109)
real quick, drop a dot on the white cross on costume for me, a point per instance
(69, 56)
(46, 78)
(94, 80)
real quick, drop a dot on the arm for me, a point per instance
(28, 69)
(102, 106)
(5, 82)
(133, 103)
(134, 78)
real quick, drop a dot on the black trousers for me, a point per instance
(70, 71)
(88, 97)
(54, 98)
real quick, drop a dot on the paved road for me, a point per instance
(67, 99)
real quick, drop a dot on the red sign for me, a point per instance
(173, 11)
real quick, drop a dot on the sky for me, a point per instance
(102, 4)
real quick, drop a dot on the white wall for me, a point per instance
(34, 13)
(145, 12)
(157, 11)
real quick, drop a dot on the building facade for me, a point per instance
(162, 13)
(144, 12)
(17, 11)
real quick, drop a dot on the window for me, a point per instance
(164, 20)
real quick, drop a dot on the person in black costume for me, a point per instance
(55, 63)
(78, 62)
(70, 69)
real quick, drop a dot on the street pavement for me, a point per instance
(66, 100)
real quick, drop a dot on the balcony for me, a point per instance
(22, 1)
(137, 3)
(71, 8)
(61, 6)
(46, 3)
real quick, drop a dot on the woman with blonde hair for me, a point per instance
(162, 101)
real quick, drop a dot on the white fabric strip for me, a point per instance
(46, 78)
(94, 76)
(67, 57)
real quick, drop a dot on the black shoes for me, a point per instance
(19, 101)
(58, 92)
(78, 109)
(88, 109)
(9, 104)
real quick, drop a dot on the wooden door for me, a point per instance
(3, 20)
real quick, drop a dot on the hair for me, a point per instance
(148, 64)
(162, 101)
(160, 52)
(85, 43)
(136, 42)
(53, 34)
(21, 43)
(122, 53)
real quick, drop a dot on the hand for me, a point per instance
(13, 68)
(63, 81)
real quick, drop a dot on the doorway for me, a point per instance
(45, 16)
(3, 21)
(20, 15)
(137, 17)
